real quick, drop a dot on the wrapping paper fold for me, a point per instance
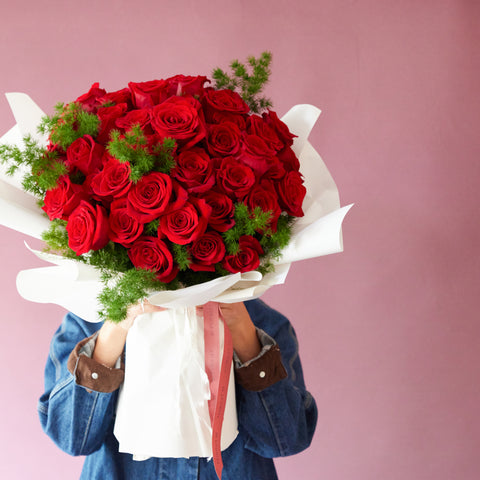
(162, 408)
(18, 209)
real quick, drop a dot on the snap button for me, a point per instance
(262, 374)
(94, 375)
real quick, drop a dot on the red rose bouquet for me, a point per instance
(167, 183)
(180, 190)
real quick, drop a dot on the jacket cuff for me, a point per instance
(89, 373)
(265, 369)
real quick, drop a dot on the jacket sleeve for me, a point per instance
(279, 420)
(74, 417)
(263, 370)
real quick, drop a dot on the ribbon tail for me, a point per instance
(220, 406)
(219, 376)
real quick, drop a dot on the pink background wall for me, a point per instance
(389, 329)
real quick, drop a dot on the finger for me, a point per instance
(142, 307)
(148, 308)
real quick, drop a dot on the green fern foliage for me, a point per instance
(43, 168)
(164, 160)
(127, 288)
(181, 256)
(246, 223)
(69, 123)
(276, 241)
(248, 80)
(132, 147)
(56, 239)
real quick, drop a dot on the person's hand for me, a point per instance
(235, 315)
(112, 336)
(133, 311)
(243, 331)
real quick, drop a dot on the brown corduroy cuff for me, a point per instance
(262, 372)
(93, 375)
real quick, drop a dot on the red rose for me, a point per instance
(256, 154)
(186, 85)
(87, 228)
(263, 195)
(139, 117)
(225, 101)
(120, 96)
(280, 128)
(124, 229)
(178, 118)
(224, 139)
(149, 197)
(108, 117)
(221, 218)
(85, 154)
(235, 178)
(247, 257)
(206, 251)
(91, 100)
(215, 117)
(151, 253)
(59, 202)
(194, 170)
(289, 159)
(178, 198)
(148, 94)
(258, 126)
(275, 169)
(113, 180)
(186, 224)
(291, 193)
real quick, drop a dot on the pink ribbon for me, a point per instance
(218, 375)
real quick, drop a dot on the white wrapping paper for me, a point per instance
(162, 409)
(18, 209)
(166, 389)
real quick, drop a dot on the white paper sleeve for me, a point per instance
(163, 404)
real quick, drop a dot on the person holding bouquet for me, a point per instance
(166, 186)
(276, 414)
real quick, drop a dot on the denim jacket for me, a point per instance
(277, 421)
